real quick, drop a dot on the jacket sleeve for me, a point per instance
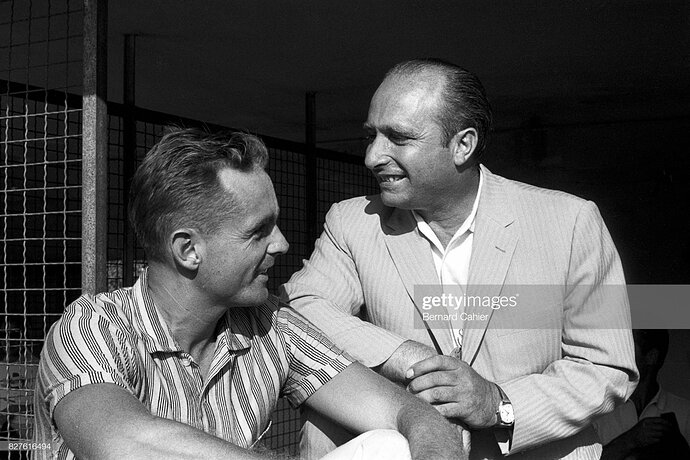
(328, 292)
(597, 369)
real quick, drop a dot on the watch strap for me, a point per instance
(504, 401)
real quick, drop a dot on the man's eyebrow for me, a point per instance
(391, 130)
(398, 131)
(268, 220)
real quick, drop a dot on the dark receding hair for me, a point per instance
(464, 103)
(652, 339)
(177, 183)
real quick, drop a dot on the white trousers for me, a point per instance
(373, 445)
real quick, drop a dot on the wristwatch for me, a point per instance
(504, 415)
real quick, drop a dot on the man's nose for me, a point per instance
(279, 244)
(375, 153)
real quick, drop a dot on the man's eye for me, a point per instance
(263, 232)
(399, 140)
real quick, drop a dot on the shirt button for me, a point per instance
(186, 361)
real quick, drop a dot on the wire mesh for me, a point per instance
(40, 140)
(40, 175)
(147, 134)
(338, 180)
(287, 170)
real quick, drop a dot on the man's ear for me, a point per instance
(187, 247)
(463, 145)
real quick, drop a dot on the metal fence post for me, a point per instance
(95, 149)
(129, 137)
(310, 170)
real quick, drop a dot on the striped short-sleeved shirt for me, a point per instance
(261, 353)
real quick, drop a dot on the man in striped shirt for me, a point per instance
(190, 361)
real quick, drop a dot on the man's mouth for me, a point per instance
(390, 178)
(264, 270)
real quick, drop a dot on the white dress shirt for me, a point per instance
(453, 262)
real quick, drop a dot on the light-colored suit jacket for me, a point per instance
(569, 359)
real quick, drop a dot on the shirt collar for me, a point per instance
(658, 400)
(467, 225)
(154, 329)
(236, 331)
(242, 325)
(237, 325)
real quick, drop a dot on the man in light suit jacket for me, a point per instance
(526, 380)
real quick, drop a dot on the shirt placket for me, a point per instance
(455, 323)
(224, 360)
(200, 404)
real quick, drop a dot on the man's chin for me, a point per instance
(253, 299)
(393, 200)
(262, 296)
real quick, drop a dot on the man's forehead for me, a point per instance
(424, 83)
(404, 97)
(233, 180)
(250, 190)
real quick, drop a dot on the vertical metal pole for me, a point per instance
(130, 153)
(310, 169)
(94, 149)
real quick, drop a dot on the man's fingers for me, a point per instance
(435, 363)
(438, 395)
(449, 410)
(431, 380)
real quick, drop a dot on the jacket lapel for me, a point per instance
(412, 258)
(495, 239)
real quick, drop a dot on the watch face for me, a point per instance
(506, 413)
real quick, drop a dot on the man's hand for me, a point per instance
(646, 433)
(407, 354)
(649, 431)
(455, 390)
